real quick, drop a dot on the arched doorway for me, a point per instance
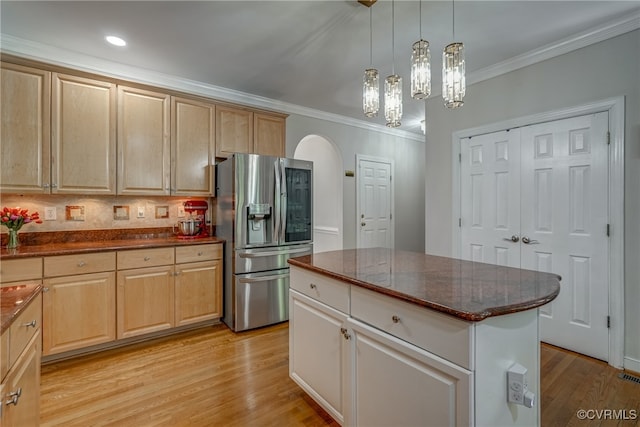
(327, 190)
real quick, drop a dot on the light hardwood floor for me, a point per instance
(213, 377)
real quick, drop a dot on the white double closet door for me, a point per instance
(536, 197)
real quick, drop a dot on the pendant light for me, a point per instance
(420, 66)
(393, 85)
(371, 81)
(453, 71)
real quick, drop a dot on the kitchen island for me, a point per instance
(384, 337)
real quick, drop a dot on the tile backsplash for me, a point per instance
(96, 213)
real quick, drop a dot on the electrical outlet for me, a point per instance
(181, 212)
(140, 211)
(517, 391)
(50, 213)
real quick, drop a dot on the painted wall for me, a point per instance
(600, 71)
(408, 179)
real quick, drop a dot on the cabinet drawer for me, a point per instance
(197, 253)
(145, 258)
(435, 332)
(20, 270)
(67, 265)
(24, 328)
(328, 291)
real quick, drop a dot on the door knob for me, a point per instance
(528, 241)
(363, 224)
(513, 238)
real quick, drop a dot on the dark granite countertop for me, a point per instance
(468, 290)
(67, 243)
(13, 301)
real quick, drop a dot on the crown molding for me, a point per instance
(65, 58)
(577, 41)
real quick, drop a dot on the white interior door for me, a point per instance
(549, 190)
(490, 198)
(374, 204)
(564, 220)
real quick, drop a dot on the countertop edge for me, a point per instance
(37, 288)
(462, 315)
(102, 246)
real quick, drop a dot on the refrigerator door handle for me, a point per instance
(271, 253)
(263, 278)
(283, 203)
(276, 202)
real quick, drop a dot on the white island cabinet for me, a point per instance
(373, 357)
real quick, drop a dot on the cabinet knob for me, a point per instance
(32, 324)
(82, 264)
(200, 254)
(344, 333)
(147, 258)
(313, 286)
(395, 319)
(45, 289)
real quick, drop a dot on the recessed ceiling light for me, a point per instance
(116, 41)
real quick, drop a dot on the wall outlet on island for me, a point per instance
(50, 213)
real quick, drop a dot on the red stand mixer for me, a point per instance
(195, 225)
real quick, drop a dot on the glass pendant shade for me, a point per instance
(393, 100)
(453, 75)
(420, 70)
(371, 93)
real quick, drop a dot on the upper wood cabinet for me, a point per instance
(244, 131)
(269, 138)
(25, 100)
(83, 135)
(234, 131)
(192, 147)
(143, 142)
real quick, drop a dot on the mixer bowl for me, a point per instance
(189, 227)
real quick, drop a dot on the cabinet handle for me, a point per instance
(54, 185)
(82, 264)
(199, 253)
(15, 396)
(177, 273)
(45, 185)
(33, 324)
(344, 333)
(313, 286)
(395, 319)
(45, 289)
(147, 258)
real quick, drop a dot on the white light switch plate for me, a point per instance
(50, 214)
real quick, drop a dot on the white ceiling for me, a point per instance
(308, 53)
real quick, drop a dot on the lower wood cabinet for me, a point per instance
(97, 298)
(20, 355)
(198, 292)
(145, 300)
(79, 300)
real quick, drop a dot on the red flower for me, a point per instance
(15, 218)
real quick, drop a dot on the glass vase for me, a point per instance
(12, 239)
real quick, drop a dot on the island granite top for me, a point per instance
(468, 290)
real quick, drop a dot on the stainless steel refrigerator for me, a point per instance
(265, 214)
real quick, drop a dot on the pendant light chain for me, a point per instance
(393, 43)
(370, 38)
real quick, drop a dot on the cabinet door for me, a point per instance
(78, 311)
(396, 383)
(22, 389)
(145, 300)
(83, 139)
(318, 351)
(269, 135)
(143, 142)
(192, 147)
(25, 100)
(234, 131)
(198, 288)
